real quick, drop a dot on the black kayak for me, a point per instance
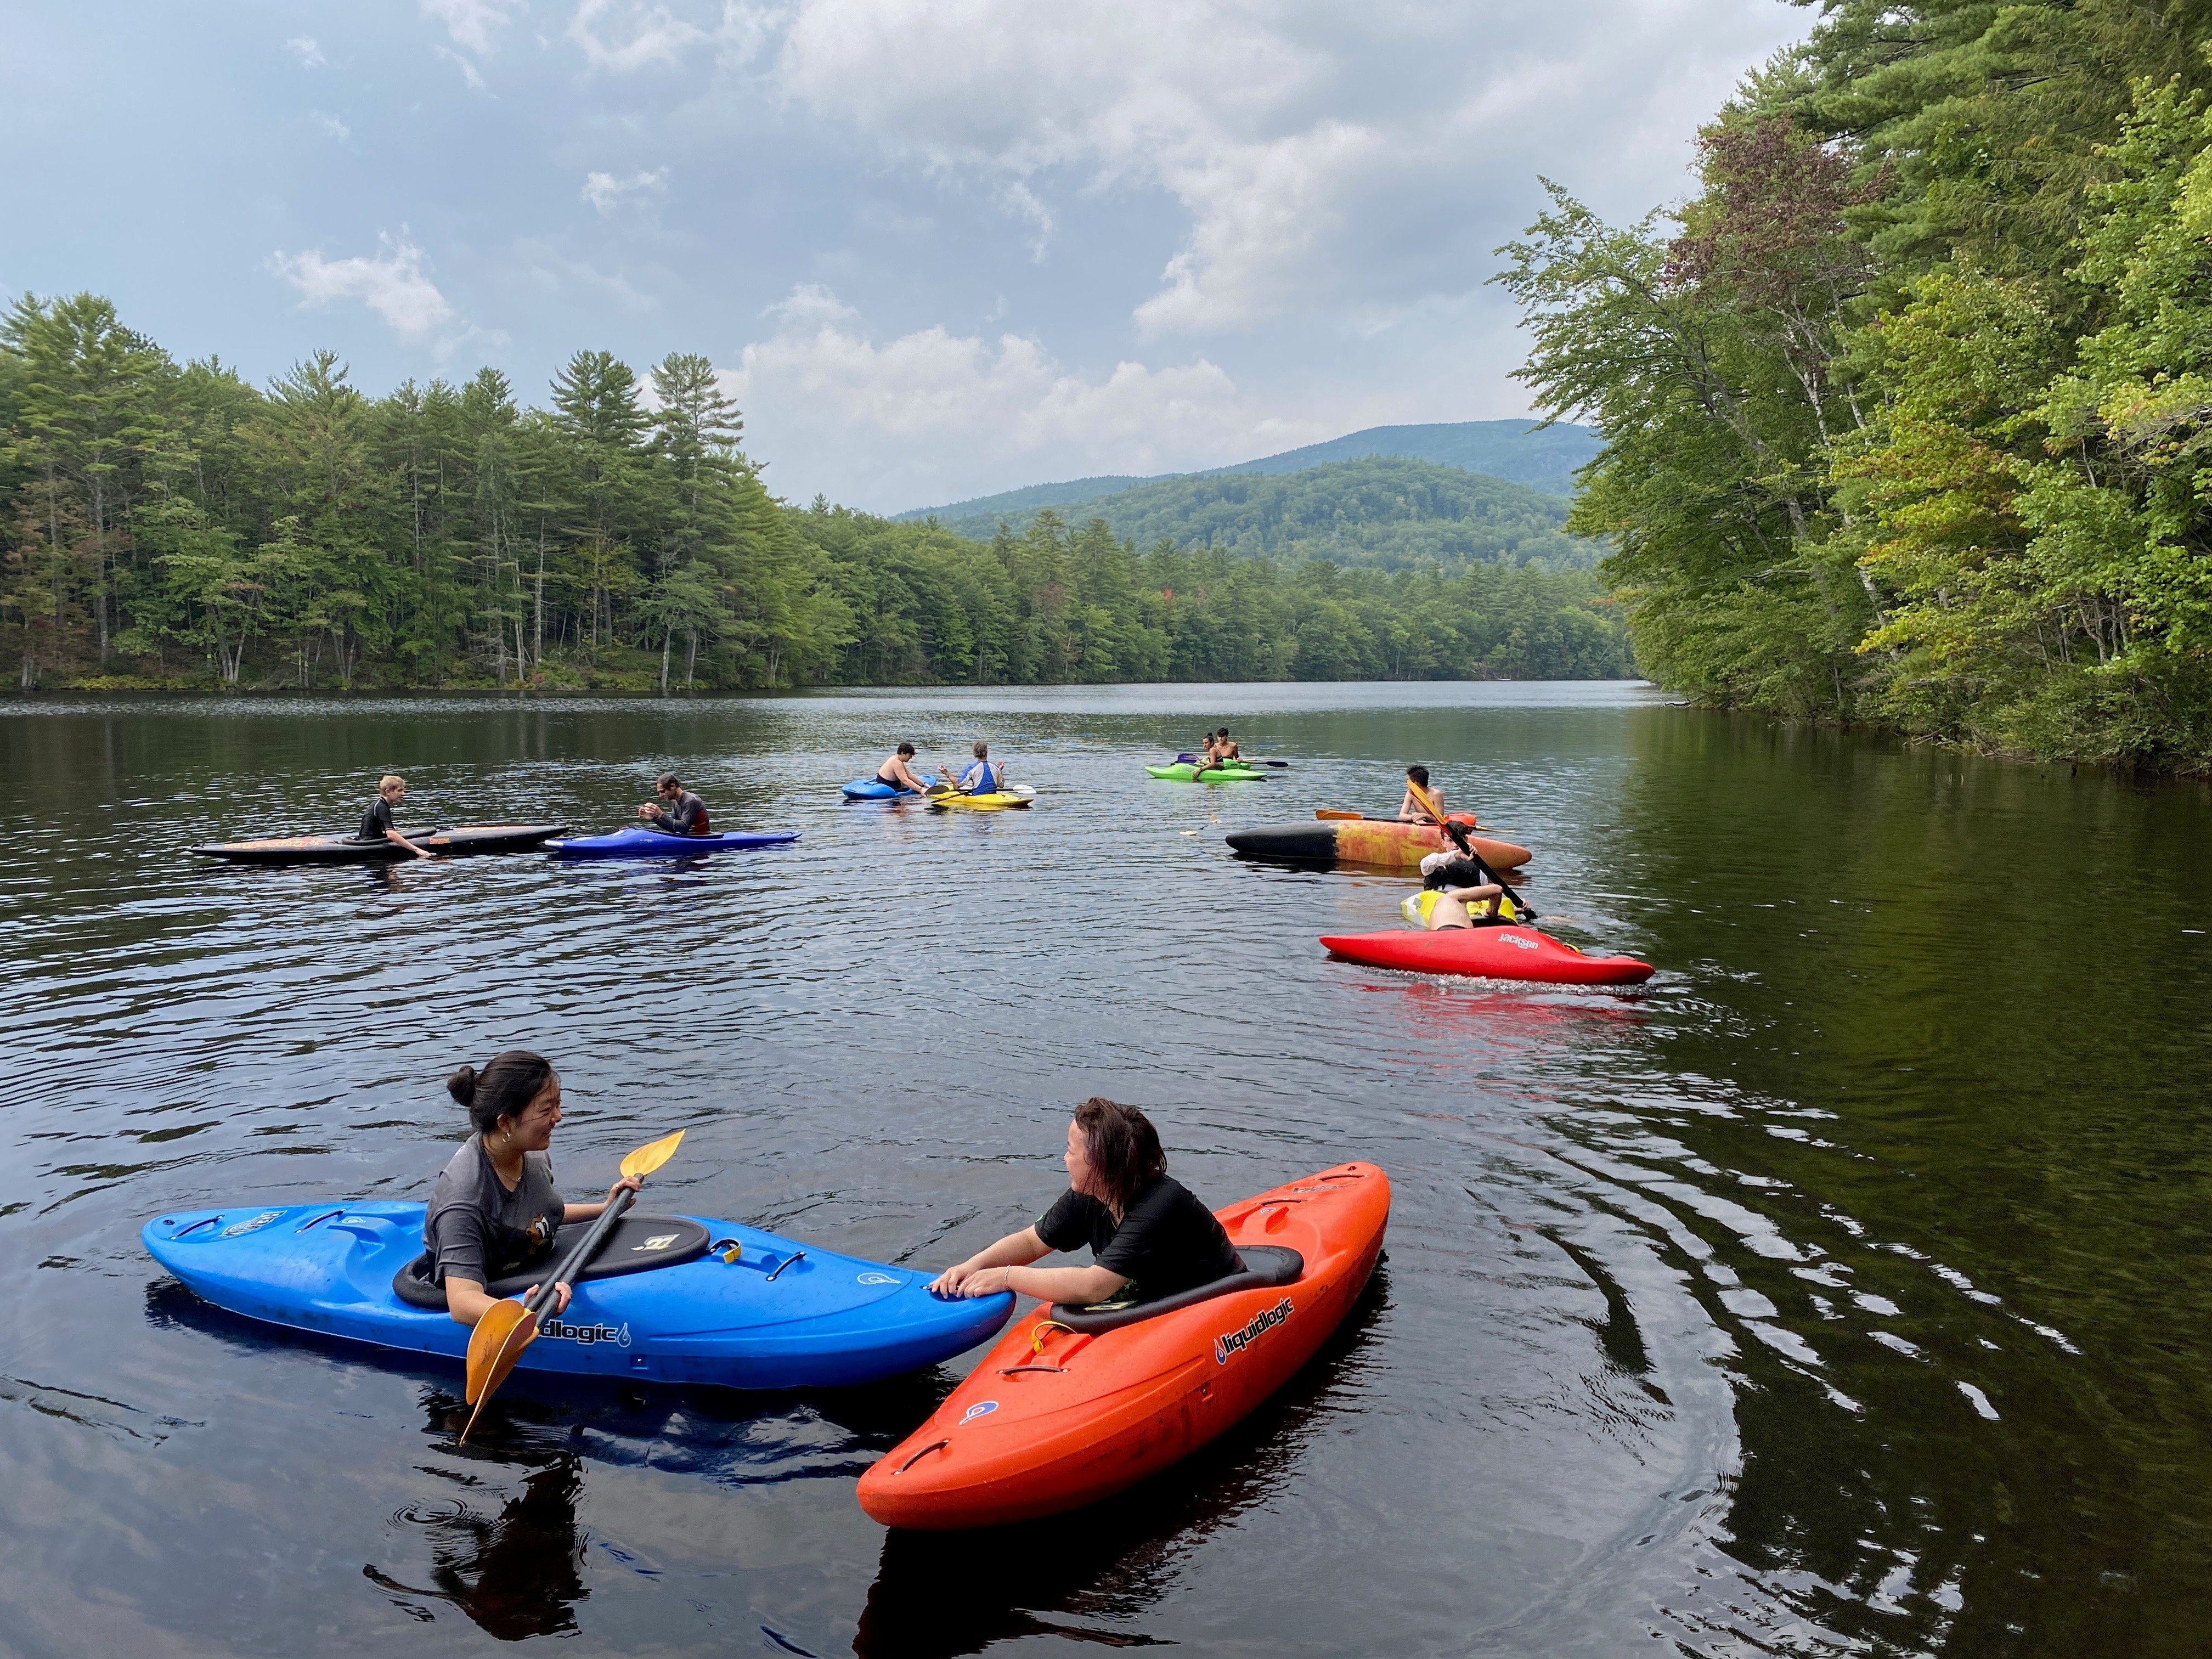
(348, 849)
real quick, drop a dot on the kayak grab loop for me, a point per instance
(728, 1248)
(796, 1255)
(1016, 1370)
(1038, 1331)
(934, 1445)
(318, 1220)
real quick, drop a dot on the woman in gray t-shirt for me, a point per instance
(495, 1210)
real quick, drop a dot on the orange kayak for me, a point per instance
(1384, 842)
(1071, 1407)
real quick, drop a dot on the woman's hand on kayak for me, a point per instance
(984, 1281)
(952, 1280)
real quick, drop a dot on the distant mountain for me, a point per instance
(1386, 512)
(1510, 450)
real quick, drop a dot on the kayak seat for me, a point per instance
(638, 1244)
(1265, 1266)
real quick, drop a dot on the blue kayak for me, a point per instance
(643, 843)
(666, 1300)
(873, 789)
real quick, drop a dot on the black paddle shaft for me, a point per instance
(578, 1259)
(1457, 836)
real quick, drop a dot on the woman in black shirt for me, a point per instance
(495, 1210)
(1150, 1238)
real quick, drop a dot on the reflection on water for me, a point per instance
(517, 1573)
(1842, 1290)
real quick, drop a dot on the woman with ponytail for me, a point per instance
(1149, 1236)
(495, 1210)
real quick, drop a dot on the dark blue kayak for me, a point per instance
(662, 1302)
(643, 843)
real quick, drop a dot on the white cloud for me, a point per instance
(650, 34)
(332, 126)
(470, 72)
(1326, 163)
(935, 416)
(473, 24)
(605, 192)
(392, 284)
(303, 47)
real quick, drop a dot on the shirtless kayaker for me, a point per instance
(1148, 1235)
(897, 771)
(1410, 809)
(376, 822)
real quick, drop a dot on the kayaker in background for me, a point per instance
(681, 813)
(495, 1210)
(1410, 809)
(1224, 747)
(982, 778)
(897, 771)
(1150, 1238)
(376, 822)
(1468, 892)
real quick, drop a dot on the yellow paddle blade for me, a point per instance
(494, 1345)
(646, 1159)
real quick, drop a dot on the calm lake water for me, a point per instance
(1844, 1290)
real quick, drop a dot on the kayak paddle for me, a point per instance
(509, 1326)
(1192, 760)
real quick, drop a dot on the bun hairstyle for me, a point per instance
(504, 1088)
(1123, 1147)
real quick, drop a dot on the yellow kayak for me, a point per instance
(990, 803)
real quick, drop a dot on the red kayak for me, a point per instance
(1074, 1406)
(1518, 952)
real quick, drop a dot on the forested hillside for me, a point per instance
(1519, 452)
(1386, 514)
(1908, 413)
(172, 525)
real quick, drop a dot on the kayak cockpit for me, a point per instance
(1266, 1266)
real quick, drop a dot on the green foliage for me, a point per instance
(1937, 327)
(172, 525)
(1380, 512)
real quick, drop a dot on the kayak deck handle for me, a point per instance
(317, 1220)
(1016, 1370)
(934, 1445)
(728, 1248)
(204, 1221)
(796, 1255)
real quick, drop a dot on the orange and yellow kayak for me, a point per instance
(1354, 840)
(1073, 1405)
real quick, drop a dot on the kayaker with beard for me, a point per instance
(495, 1209)
(897, 771)
(1150, 1238)
(680, 812)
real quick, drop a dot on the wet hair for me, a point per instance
(982, 749)
(1123, 1147)
(1223, 733)
(390, 781)
(668, 781)
(505, 1087)
(1419, 775)
(906, 748)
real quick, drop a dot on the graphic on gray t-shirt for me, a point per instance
(477, 1229)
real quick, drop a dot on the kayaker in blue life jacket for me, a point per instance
(982, 778)
(680, 813)
(376, 822)
(897, 771)
(495, 1209)
(1148, 1235)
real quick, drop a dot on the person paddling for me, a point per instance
(1149, 1236)
(983, 778)
(897, 771)
(376, 822)
(495, 1209)
(680, 813)
(1469, 893)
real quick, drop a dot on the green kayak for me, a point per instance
(1184, 772)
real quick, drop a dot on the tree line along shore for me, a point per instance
(1908, 409)
(172, 525)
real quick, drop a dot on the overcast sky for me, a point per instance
(938, 247)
